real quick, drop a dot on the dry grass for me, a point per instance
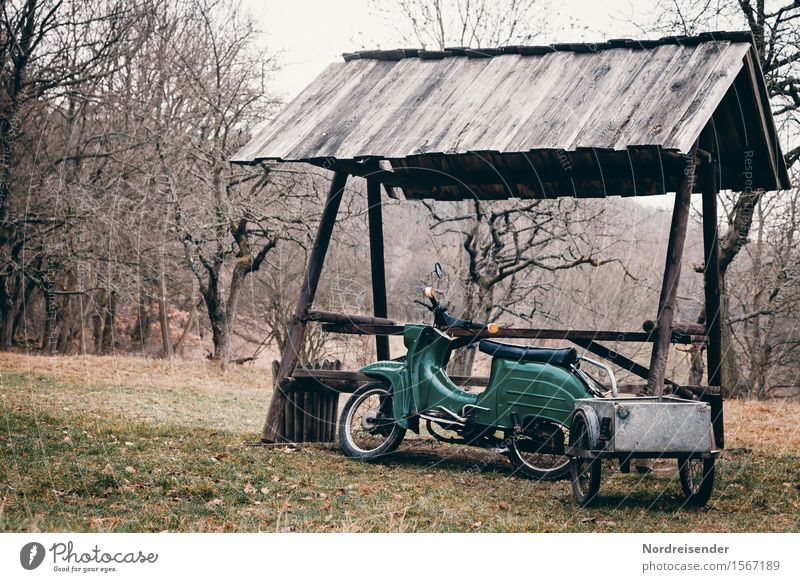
(179, 392)
(126, 444)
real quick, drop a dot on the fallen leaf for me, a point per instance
(249, 489)
(130, 470)
(265, 490)
(216, 502)
(503, 506)
(108, 469)
(275, 478)
(476, 525)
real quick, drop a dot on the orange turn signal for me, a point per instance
(429, 292)
(492, 328)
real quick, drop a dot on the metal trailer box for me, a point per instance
(652, 424)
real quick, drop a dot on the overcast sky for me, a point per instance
(313, 33)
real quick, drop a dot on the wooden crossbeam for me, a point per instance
(512, 332)
(414, 178)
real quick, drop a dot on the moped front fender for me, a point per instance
(396, 375)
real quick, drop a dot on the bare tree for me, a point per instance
(775, 29)
(47, 48)
(477, 23)
(509, 247)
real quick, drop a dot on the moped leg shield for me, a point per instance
(395, 374)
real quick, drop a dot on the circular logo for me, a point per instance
(31, 555)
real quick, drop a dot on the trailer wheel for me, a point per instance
(584, 473)
(697, 479)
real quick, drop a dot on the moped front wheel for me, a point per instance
(367, 429)
(541, 456)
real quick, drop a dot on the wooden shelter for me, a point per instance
(623, 117)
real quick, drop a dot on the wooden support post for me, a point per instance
(274, 422)
(713, 297)
(672, 275)
(377, 263)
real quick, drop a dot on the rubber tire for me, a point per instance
(590, 442)
(697, 496)
(388, 446)
(529, 472)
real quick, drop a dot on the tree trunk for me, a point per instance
(19, 312)
(141, 328)
(65, 325)
(98, 322)
(84, 308)
(181, 343)
(163, 318)
(50, 331)
(221, 337)
(731, 374)
(462, 361)
(697, 364)
(107, 344)
(223, 321)
(6, 319)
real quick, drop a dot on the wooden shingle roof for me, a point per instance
(537, 121)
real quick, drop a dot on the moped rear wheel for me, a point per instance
(540, 458)
(697, 479)
(367, 429)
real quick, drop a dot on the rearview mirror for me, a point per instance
(437, 268)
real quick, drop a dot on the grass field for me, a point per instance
(125, 444)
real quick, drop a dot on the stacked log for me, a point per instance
(311, 409)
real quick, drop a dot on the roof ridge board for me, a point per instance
(531, 50)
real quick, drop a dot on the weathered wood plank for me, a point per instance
(331, 317)
(509, 332)
(272, 425)
(683, 328)
(377, 266)
(396, 108)
(672, 274)
(713, 295)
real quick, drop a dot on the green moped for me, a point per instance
(525, 410)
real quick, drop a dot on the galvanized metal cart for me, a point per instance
(650, 427)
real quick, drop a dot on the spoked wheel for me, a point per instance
(538, 452)
(697, 479)
(585, 473)
(367, 429)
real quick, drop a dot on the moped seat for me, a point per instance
(557, 357)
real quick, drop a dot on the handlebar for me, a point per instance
(444, 320)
